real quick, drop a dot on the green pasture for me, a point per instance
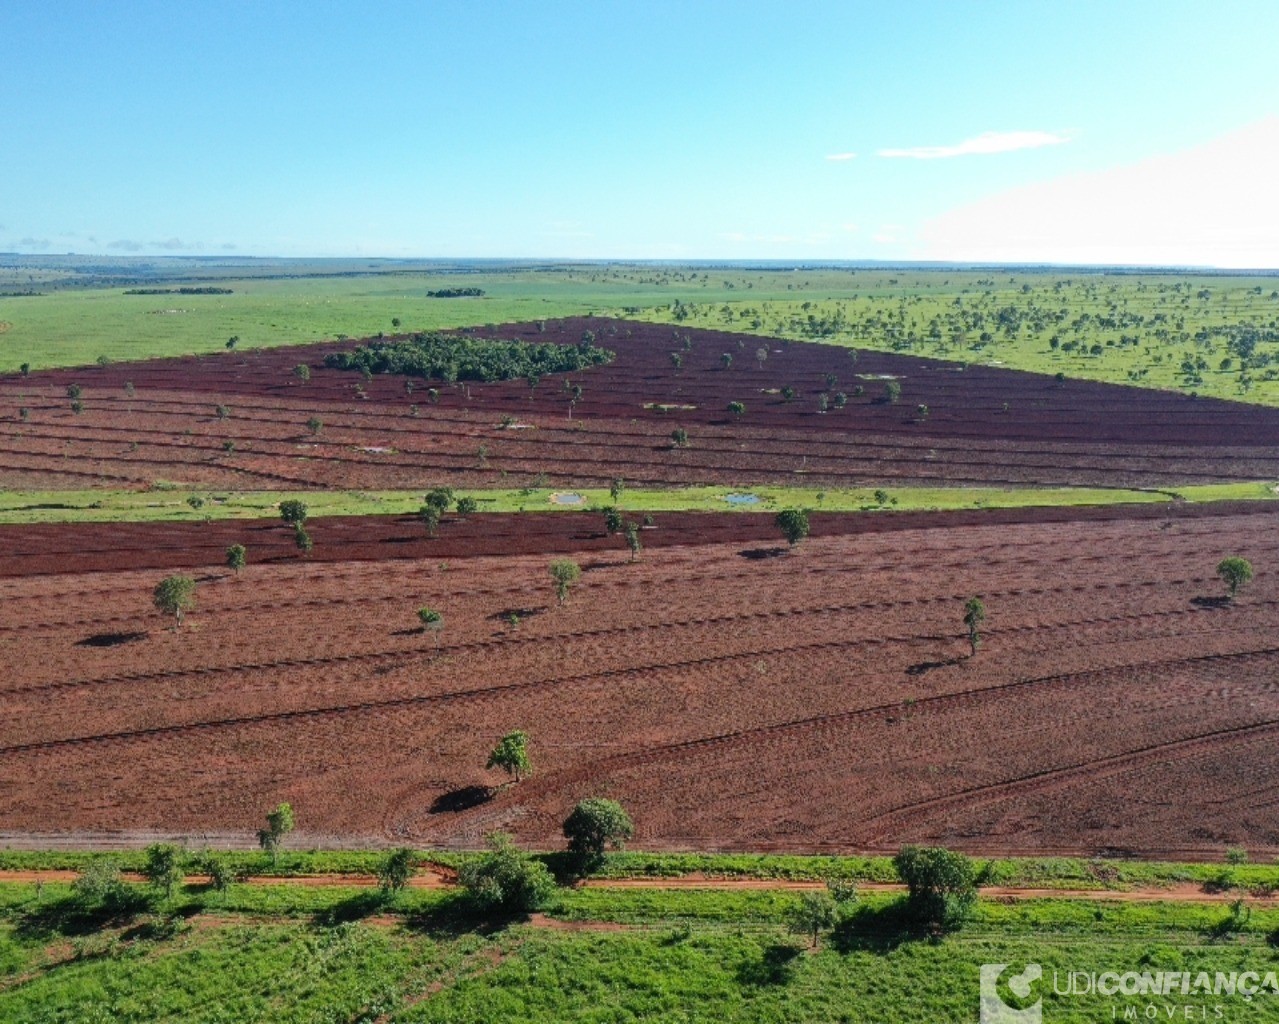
(172, 502)
(286, 953)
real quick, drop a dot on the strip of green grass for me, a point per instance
(169, 502)
(673, 956)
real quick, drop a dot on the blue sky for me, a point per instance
(1106, 132)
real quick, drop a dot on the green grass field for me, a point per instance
(284, 953)
(169, 502)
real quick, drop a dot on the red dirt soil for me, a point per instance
(730, 697)
(984, 424)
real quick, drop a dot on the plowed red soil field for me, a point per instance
(731, 695)
(983, 424)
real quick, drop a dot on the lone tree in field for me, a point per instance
(761, 354)
(293, 511)
(974, 616)
(432, 622)
(564, 573)
(812, 914)
(315, 425)
(941, 885)
(302, 539)
(163, 867)
(679, 437)
(279, 823)
(738, 409)
(633, 539)
(1236, 573)
(595, 824)
(430, 516)
(506, 880)
(236, 558)
(394, 872)
(174, 595)
(467, 506)
(511, 755)
(612, 520)
(616, 488)
(793, 522)
(892, 392)
(726, 360)
(302, 372)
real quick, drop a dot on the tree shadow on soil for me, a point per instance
(462, 799)
(776, 966)
(112, 639)
(504, 616)
(459, 915)
(921, 667)
(759, 554)
(1220, 601)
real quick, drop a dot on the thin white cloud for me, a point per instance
(985, 143)
(841, 156)
(1212, 205)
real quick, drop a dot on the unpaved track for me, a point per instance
(1181, 892)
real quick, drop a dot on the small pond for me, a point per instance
(567, 499)
(742, 499)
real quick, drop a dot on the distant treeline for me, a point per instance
(19, 295)
(456, 293)
(446, 358)
(179, 291)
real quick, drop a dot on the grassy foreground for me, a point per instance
(169, 502)
(290, 954)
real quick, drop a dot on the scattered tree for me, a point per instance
(302, 372)
(511, 755)
(506, 879)
(174, 595)
(612, 520)
(77, 406)
(616, 488)
(941, 884)
(432, 622)
(593, 825)
(293, 511)
(467, 506)
(840, 400)
(726, 360)
(232, 341)
(163, 867)
(738, 409)
(100, 887)
(679, 437)
(761, 354)
(564, 573)
(221, 411)
(25, 369)
(1236, 573)
(73, 391)
(633, 539)
(793, 522)
(236, 558)
(892, 391)
(439, 498)
(396, 869)
(974, 616)
(430, 516)
(788, 393)
(302, 539)
(221, 874)
(812, 914)
(279, 823)
(315, 425)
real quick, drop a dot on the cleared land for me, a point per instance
(732, 696)
(952, 425)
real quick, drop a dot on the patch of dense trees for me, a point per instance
(180, 291)
(450, 359)
(456, 293)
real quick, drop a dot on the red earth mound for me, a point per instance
(981, 425)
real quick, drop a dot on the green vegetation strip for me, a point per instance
(173, 502)
(285, 954)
